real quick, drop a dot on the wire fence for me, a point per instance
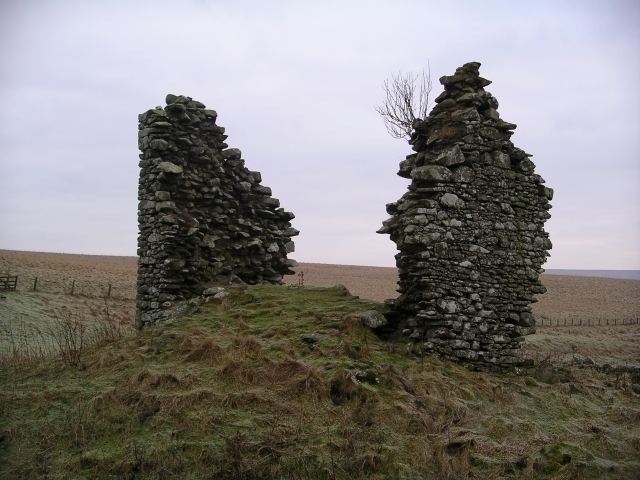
(122, 290)
(587, 322)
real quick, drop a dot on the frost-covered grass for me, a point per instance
(233, 392)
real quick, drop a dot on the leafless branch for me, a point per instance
(404, 102)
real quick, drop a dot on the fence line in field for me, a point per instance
(85, 288)
(579, 322)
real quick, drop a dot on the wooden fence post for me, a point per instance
(73, 286)
(109, 293)
(35, 284)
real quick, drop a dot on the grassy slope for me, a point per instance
(233, 392)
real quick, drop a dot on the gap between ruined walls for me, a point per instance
(202, 215)
(469, 230)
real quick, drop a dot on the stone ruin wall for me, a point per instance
(203, 216)
(469, 231)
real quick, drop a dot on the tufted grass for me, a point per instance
(233, 392)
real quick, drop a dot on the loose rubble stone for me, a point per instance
(469, 230)
(202, 215)
(310, 338)
(210, 292)
(372, 319)
(367, 376)
(182, 309)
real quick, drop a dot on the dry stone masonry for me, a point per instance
(469, 231)
(203, 216)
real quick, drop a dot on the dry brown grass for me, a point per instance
(233, 392)
(210, 396)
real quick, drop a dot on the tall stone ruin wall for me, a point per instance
(203, 216)
(469, 231)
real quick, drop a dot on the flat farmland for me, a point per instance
(590, 299)
(57, 271)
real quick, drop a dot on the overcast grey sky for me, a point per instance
(295, 85)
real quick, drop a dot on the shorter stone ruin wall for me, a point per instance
(469, 230)
(202, 215)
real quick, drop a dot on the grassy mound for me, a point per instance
(272, 382)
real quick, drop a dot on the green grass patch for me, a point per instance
(233, 391)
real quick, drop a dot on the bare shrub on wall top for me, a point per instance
(405, 102)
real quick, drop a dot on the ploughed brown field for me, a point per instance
(590, 300)
(567, 297)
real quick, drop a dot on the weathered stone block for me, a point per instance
(454, 156)
(432, 173)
